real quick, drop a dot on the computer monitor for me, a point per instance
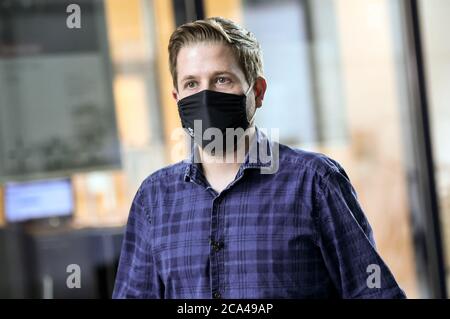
(42, 199)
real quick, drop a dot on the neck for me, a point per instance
(220, 171)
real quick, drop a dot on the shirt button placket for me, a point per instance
(216, 247)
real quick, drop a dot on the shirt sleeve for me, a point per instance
(136, 274)
(347, 243)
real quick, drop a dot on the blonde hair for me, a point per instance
(243, 43)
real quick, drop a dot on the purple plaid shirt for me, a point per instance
(298, 233)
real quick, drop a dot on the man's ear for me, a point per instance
(175, 94)
(259, 90)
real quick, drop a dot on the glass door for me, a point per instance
(436, 48)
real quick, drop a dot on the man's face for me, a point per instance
(211, 66)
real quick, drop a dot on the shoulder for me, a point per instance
(324, 175)
(308, 162)
(159, 184)
(165, 175)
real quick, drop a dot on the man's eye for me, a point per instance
(190, 85)
(222, 80)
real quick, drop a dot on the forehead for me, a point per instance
(202, 59)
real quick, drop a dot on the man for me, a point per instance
(229, 229)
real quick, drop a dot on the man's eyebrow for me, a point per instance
(225, 72)
(191, 77)
(188, 77)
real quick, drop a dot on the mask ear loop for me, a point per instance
(246, 93)
(249, 89)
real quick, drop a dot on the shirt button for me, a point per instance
(217, 245)
(217, 295)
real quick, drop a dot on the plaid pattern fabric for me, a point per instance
(298, 233)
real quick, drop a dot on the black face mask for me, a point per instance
(215, 109)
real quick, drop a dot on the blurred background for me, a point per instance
(86, 114)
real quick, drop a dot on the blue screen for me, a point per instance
(38, 199)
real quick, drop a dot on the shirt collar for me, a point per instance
(253, 159)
